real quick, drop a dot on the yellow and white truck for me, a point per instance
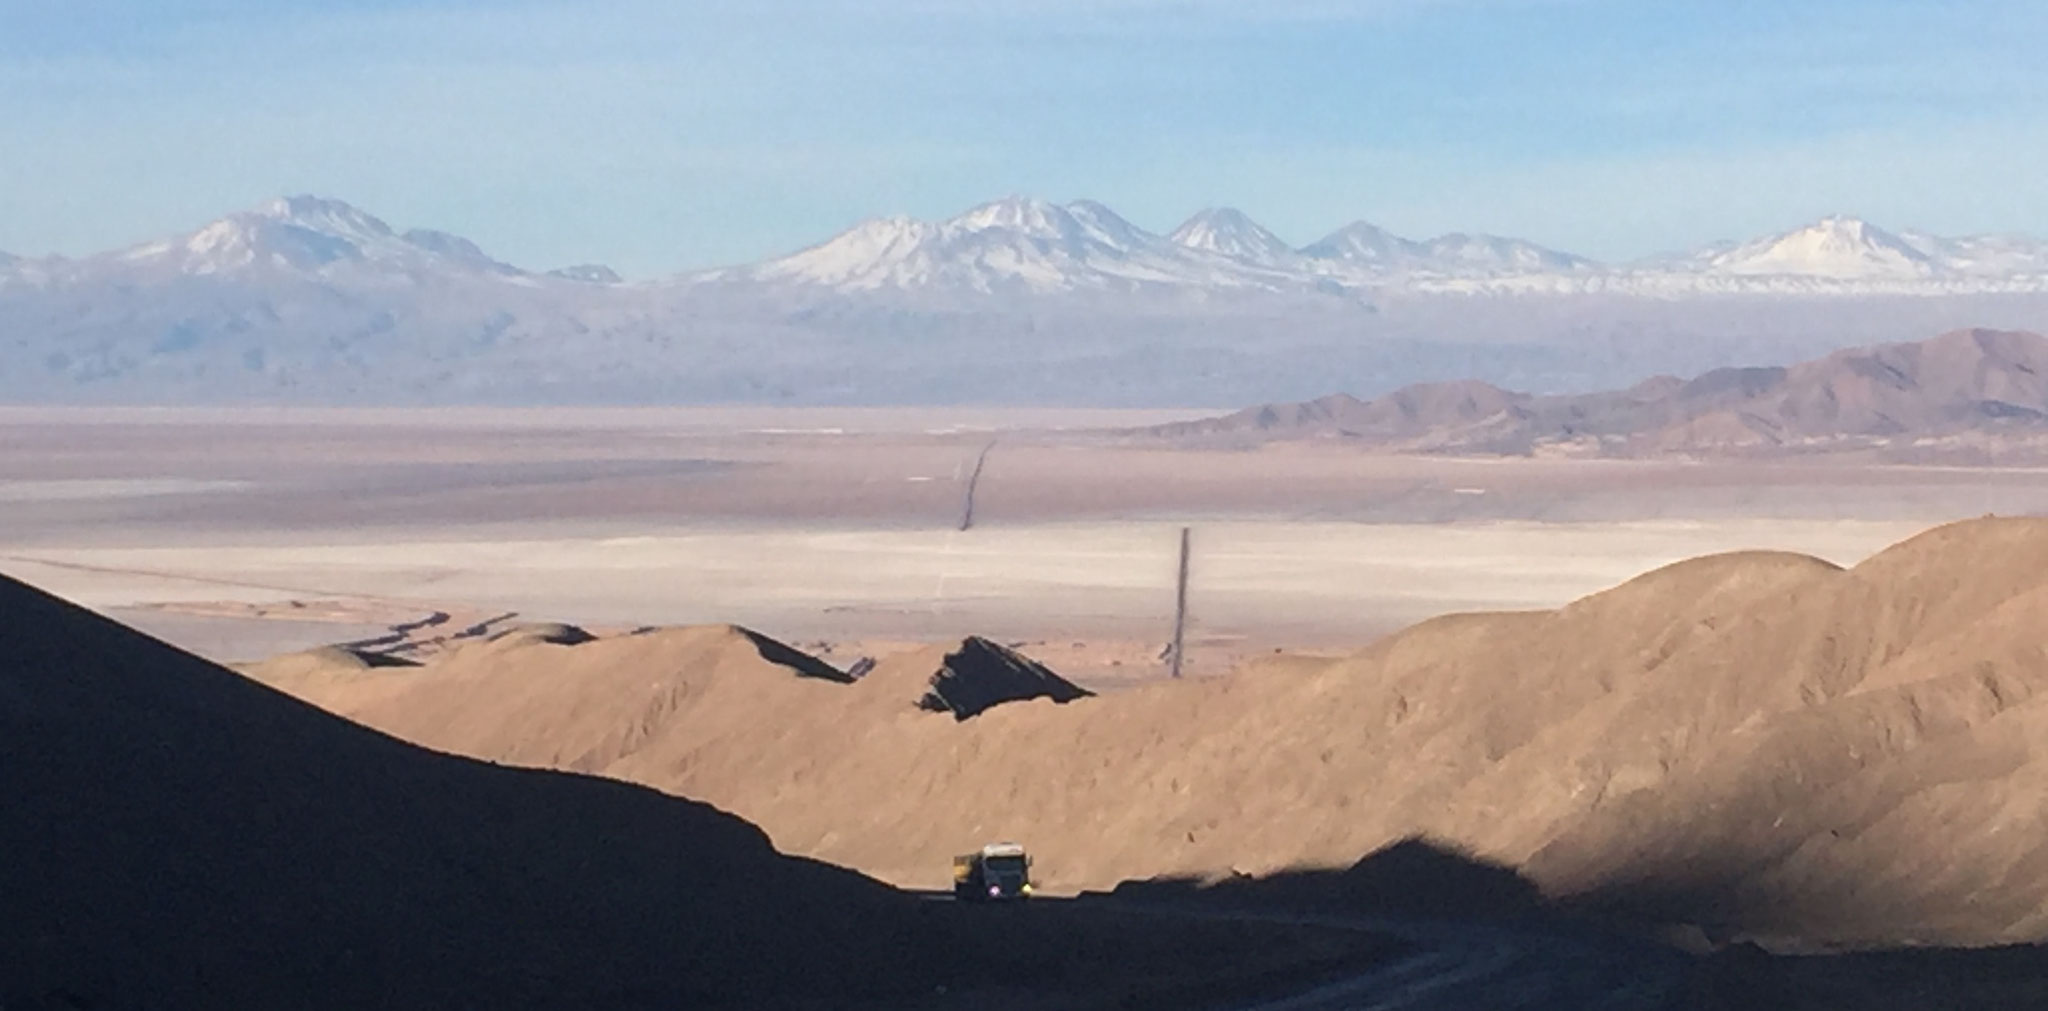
(997, 872)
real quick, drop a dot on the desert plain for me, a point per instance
(243, 533)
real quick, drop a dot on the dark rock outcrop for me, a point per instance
(981, 675)
(805, 665)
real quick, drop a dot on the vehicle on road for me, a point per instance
(998, 872)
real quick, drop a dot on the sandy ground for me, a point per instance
(836, 529)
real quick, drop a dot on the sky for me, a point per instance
(664, 135)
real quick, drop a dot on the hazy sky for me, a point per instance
(658, 136)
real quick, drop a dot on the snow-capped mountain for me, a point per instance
(297, 294)
(1366, 247)
(1990, 256)
(1227, 231)
(1018, 245)
(1461, 254)
(1012, 245)
(1015, 300)
(1835, 247)
(454, 249)
(305, 234)
(1025, 245)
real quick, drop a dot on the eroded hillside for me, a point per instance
(1761, 743)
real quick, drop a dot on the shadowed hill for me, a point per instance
(1414, 878)
(1574, 960)
(177, 836)
(1962, 395)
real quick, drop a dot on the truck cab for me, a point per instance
(998, 872)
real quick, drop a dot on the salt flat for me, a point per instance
(1317, 581)
(826, 526)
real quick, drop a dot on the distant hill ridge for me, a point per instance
(1968, 392)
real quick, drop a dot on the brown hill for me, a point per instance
(177, 836)
(1964, 395)
(1760, 743)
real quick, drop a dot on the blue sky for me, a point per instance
(660, 136)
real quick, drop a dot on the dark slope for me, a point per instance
(172, 835)
(175, 836)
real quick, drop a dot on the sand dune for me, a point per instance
(1761, 743)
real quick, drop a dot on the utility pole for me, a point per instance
(1180, 604)
(973, 479)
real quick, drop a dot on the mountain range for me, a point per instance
(1968, 395)
(1024, 244)
(1017, 300)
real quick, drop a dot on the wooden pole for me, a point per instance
(1180, 605)
(973, 479)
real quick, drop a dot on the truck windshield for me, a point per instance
(1004, 867)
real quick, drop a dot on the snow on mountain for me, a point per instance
(1989, 256)
(869, 255)
(1015, 244)
(307, 234)
(1020, 245)
(1366, 247)
(1372, 250)
(311, 296)
(456, 249)
(1835, 256)
(1459, 253)
(1836, 247)
(587, 273)
(1107, 229)
(1226, 231)
(24, 271)
(1025, 245)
